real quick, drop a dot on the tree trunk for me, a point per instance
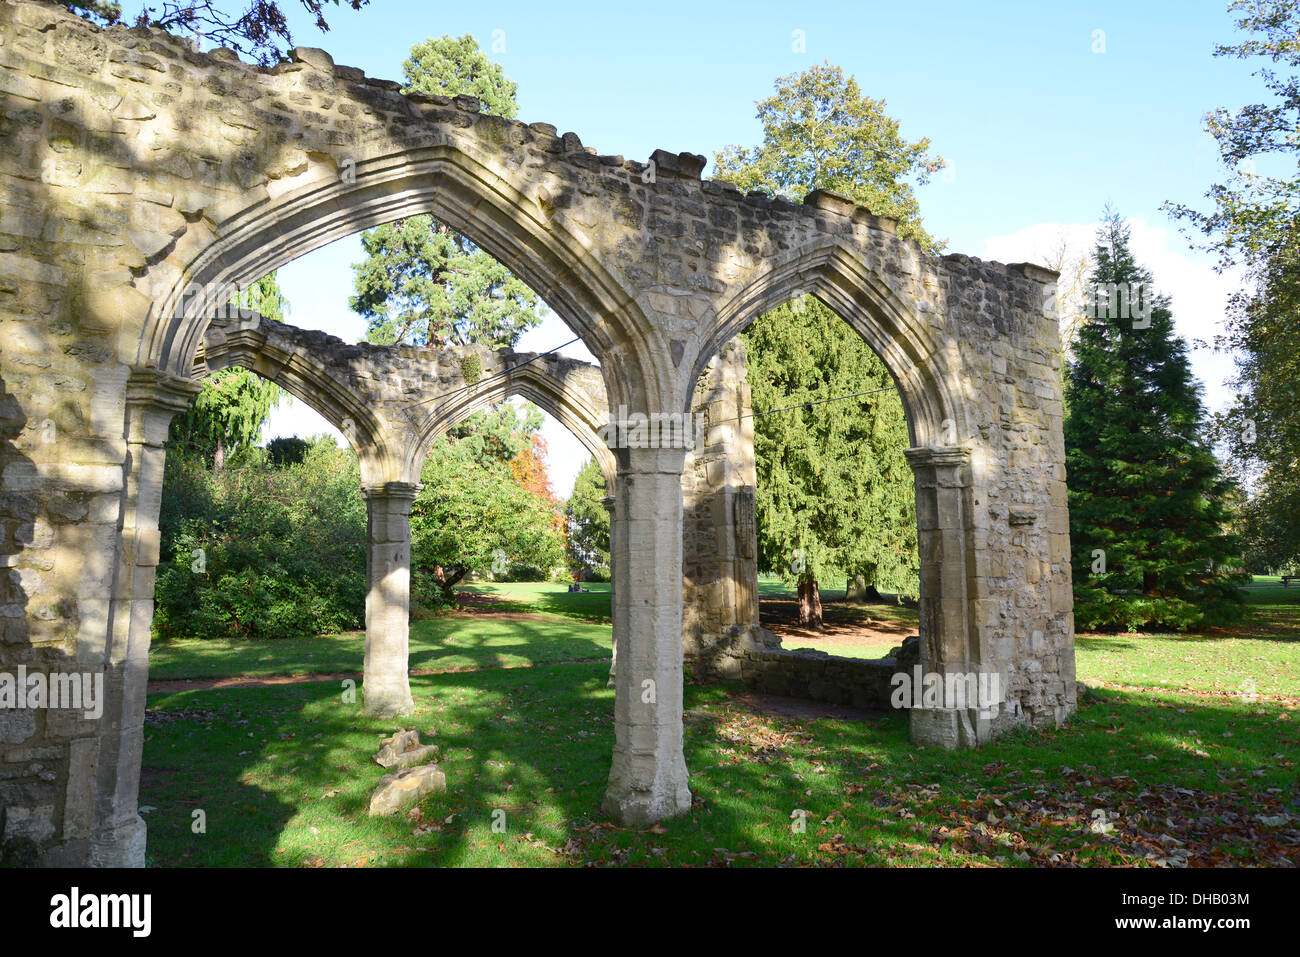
(219, 457)
(810, 604)
(448, 583)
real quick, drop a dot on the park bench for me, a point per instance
(1288, 579)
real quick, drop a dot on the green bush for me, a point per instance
(257, 551)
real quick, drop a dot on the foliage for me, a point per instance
(471, 515)
(449, 67)
(1255, 224)
(588, 525)
(261, 32)
(1146, 495)
(257, 551)
(834, 490)
(422, 283)
(287, 450)
(821, 132)
(835, 495)
(227, 416)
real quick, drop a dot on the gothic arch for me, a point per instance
(311, 382)
(532, 381)
(905, 341)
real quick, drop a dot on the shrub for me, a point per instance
(257, 551)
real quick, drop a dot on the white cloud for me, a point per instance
(1198, 294)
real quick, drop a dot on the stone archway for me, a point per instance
(146, 177)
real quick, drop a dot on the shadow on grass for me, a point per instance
(528, 752)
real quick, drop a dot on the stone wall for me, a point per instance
(138, 171)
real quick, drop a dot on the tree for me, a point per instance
(835, 495)
(588, 523)
(258, 551)
(1148, 504)
(422, 283)
(287, 450)
(228, 415)
(256, 33)
(1255, 224)
(821, 132)
(471, 516)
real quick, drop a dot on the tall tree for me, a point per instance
(1148, 504)
(1255, 224)
(588, 523)
(835, 495)
(228, 415)
(422, 283)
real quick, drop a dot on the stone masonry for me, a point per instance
(392, 402)
(141, 178)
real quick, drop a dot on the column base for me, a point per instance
(386, 702)
(643, 808)
(121, 846)
(950, 728)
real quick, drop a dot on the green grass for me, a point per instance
(443, 643)
(283, 774)
(1258, 656)
(547, 598)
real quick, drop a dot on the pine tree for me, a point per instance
(588, 523)
(422, 283)
(1148, 504)
(835, 495)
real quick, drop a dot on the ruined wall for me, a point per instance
(137, 170)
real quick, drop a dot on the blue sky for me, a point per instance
(1042, 119)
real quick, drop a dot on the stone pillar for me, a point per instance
(118, 836)
(719, 540)
(608, 502)
(949, 639)
(387, 685)
(648, 779)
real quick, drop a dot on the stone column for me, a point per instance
(608, 502)
(648, 779)
(118, 835)
(949, 638)
(387, 685)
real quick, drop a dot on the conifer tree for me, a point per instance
(588, 523)
(835, 495)
(1148, 503)
(422, 283)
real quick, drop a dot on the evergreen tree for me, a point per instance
(1148, 505)
(835, 495)
(422, 283)
(588, 523)
(228, 415)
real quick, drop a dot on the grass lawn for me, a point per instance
(556, 627)
(1144, 774)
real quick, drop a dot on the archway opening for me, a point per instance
(808, 495)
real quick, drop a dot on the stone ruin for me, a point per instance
(142, 178)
